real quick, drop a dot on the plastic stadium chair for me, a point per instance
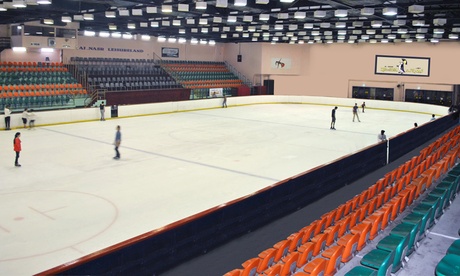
(361, 271)
(448, 266)
(306, 253)
(296, 240)
(396, 245)
(315, 267)
(454, 248)
(350, 245)
(267, 258)
(408, 231)
(289, 264)
(380, 260)
(363, 230)
(250, 267)
(320, 243)
(334, 257)
(282, 249)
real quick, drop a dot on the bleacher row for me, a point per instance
(38, 95)
(108, 61)
(37, 84)
(200, 76)
(133, 82)
(324, 246)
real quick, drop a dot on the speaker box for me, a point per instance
(51, 42)
(270, 85)
(456, 95)
(239, 58)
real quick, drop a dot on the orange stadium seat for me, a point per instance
(282, 249)
(350, 245)
(250, 267)
(306, 253)
(363, 230)
(334, 257)
(267, 258)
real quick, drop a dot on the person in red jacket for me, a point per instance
(17, 147)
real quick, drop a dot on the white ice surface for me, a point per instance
(70, 198)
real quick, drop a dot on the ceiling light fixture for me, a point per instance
(201, 5)
(19, 4)
(88, 16)
(48, 21)
(319, 14)
(110, 14)
(264, 17)
(390, 11)
(341, 13)
(416, 9)
(66, 19)
(183, 7)
(166, 8)
(240, 3)
(367, 11)
(222, 3)
(300, 15)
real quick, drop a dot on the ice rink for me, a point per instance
(71, 198)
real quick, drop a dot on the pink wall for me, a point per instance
(332, 69)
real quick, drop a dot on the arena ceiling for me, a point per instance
(229, 21)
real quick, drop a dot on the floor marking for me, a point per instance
(4, 229)
(171, 157)
(41, 213)
(444, 236)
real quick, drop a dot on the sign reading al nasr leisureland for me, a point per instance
(402, 65)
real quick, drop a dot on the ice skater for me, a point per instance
(382, 137)
(31, 116)
(17, 148)
(102, 109)
(224, 102)
(7, 112)
(355, 112)
(24, 117)
(363, 106)
(117, 143)
(333, 117)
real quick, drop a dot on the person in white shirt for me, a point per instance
(382, 137)
(31, 116)
(7, 113)
(24, 117)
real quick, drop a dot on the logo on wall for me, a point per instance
(281, 63)
(408, 66)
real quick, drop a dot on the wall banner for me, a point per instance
(402, 65)
(281, 63)
(170, 52)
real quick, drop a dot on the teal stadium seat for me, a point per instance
(409, 231)
(448, 266)
(361, 271)
(380, 260)
(397, 245)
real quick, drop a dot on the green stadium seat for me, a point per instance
(435, 203)
(408, 231)
(454, 248)
(443, 193)
(448, 266)
(361, 271)
(380, 260)
(397, 245)
(425, 209)
(421, 220)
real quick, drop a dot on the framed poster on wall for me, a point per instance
(170, 52)
(402, 65)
